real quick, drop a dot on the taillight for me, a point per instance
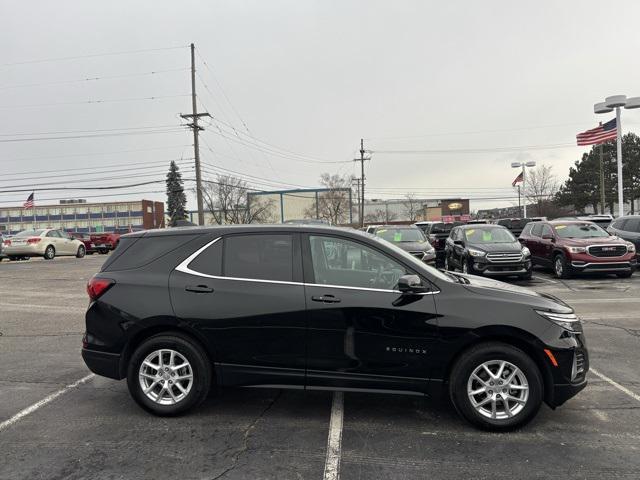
(31, 241)
(7, 243)
(98, 286)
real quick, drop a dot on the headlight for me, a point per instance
(577, 249)
(568, 321)
(631, 248)
(476, 253)
(526, 252)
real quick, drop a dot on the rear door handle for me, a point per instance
(198, 288)
(326, 299)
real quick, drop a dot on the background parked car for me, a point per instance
(627, 227)
(602, 221)
(437, 233)
(410, 239)
(576, 246)
(515, 225)
(490, 250)
(89, 246)
(45, 243)
(1, 247)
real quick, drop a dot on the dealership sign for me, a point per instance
(455, 206)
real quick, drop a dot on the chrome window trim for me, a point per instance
(184, 268)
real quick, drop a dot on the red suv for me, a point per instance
(578, 246)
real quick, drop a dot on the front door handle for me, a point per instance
(198, 288)
(326, 299)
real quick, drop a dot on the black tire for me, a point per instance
(526, 276)
(474, 358)
(49, 252)
(467, 266)
(561, 267)
(14, 259)
(103, 251)
(625, 274)
(447, 264)
(90, 253)
(81, 252)
(192, 352)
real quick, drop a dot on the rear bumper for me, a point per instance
(102, 363)
(24, 250)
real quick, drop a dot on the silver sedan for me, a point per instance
(46, 243)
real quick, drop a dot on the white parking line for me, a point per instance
(334, 440)
(635, 396)
(48, 399)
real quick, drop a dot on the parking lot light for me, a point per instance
(609, 104)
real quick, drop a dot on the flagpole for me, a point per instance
(524, 192)
(33, 206)
(620, 188)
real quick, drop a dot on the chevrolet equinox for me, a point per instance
(179, 311)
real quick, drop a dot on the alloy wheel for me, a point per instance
(166, 377)
(498, 390)
(465, 266)
(558, 266)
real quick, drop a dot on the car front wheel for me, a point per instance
(496, 386)
(81, 251)
(561, 267)
(169, 374)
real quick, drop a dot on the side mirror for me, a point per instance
(458, 242)
(411, 284)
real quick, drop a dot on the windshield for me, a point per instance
(398, 235)
(29, 233)
(580, 230)
(489, 235)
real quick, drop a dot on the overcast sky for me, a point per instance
(311, 78)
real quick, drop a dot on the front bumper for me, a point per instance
(563, 392)
(482, 266)
(604, 266)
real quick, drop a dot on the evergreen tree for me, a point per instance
(176, 198)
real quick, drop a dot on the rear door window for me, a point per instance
(209, 261)
(261, 257)
(632, 225)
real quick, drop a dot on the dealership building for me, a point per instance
(80, 216)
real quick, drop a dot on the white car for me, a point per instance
(45, 243)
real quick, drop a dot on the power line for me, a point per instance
(94, 102)
(92, 79)
(87, 131)
(92, 55)
(476, 150)
(96, 135)
(94, 154)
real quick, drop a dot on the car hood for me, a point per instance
(490, 287)
(583, 242)
(413, 246)
(514, 247)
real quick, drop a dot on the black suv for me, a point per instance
(487, 250)
(177, 311)
(627, 227)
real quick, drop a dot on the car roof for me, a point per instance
(478, 226)
(251, 228)
(569, 222)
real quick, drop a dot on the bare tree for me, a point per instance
(541, 187)
(228, 202)
(333, 204)
(380, 215)
(412, 207)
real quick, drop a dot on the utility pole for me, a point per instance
(356, 182)
(361, 160)
(196, 130)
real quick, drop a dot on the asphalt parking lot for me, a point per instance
(59, 422)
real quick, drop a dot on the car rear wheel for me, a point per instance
(624, 274)
(49, 252)
(496, 386)
(169, 374)
(81, 252)
(561, 267)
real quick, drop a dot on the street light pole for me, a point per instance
(618, 101)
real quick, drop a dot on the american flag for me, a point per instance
(518, 179)
(29, 203)
(600, 134)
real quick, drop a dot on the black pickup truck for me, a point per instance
(437, 233)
